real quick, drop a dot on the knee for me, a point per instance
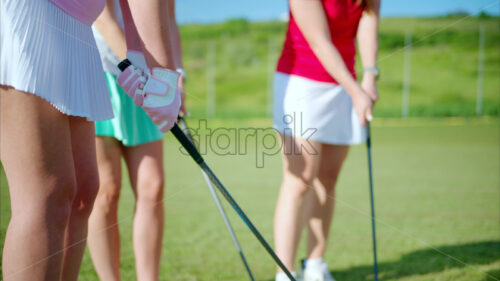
(328, 177)
(150, 189)
(108, 196)
(57, 206)
(85, 195)
(298, 185)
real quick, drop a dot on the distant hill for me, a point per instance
(443, 65)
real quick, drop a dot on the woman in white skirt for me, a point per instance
(51, 87)
(319, 110)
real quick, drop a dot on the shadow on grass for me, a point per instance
(494, 273)
(429, 260)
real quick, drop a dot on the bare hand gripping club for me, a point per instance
(195, 155)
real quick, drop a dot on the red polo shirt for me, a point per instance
(297, 58)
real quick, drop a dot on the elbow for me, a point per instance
(318, 42)
(318, 45)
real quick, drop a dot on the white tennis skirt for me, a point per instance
(319, 111)
(47, 52)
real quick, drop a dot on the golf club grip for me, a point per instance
(368, 135)
(187, 144)
(124, 64)
(183, 125)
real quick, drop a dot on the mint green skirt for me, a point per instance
(131, 125)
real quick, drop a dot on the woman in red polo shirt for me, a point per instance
(320, 110)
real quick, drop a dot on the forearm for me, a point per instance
(311, 20)
(114, 37)
(368, 48)
(368, 36)
(111, 31)
(332, 61)
(152, 24)
(176, 38)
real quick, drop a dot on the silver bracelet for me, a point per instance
(372, 69)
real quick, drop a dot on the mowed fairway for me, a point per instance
(437, 203)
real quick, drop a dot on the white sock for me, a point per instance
(281, 276)
(316, 262)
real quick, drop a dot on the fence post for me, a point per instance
(270, 74)
(406, 77)
(211, 76)
(480, 72)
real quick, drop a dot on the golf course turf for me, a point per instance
(437, 202)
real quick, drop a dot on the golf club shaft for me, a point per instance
(228, 224)
(191, 149)
(185, 129)
(372, 201)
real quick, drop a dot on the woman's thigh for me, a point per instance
(145, 167)
(301, 158)
(109, 153)
(332, 159)
(35, 149)
(84, 161)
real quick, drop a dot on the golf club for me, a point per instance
(196, 156)
(183, 125)
(372, 201)
(191, 149)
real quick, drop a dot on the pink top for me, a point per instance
(85, 11)
(297, 58)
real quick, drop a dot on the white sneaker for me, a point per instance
(316, 270)
(281, 276)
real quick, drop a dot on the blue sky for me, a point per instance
(205, 11)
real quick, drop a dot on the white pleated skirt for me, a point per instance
(47, 52)
(318, 111)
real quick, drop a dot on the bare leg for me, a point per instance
(145, 165)
(35, 149)
(104, 237)
(87, 180)
(299, 170)
(320, 203)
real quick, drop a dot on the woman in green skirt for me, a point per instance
(133, 136)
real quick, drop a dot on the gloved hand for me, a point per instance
(155, 92)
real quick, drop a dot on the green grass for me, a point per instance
(444, 66)
(436, 180)
(437, 200)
